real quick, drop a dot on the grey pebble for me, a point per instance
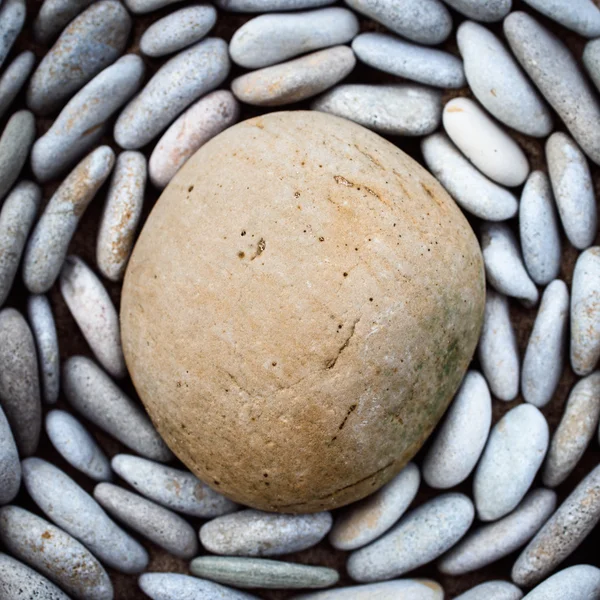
(295, 80)
(15, 142)
(251, 6)
(158, 524)
(77, 446)
(82, 122)
(95, 314)
(580, 582)
(556, 73)
(399, 589)
(487, 11)
(591, 61)
(471, 190)
(544, 358)
(10, 467)
(420, 537)
(393, 109)
(48, 244)
(178, 490)
(539, 230)
(54, 553)
(393, 55)
(17, 215)
(256, 533)
(145, 6)
(492, 590)
(12, 19)
(581, 16)
(14, 77)
(95, 396)
(493, 541)
(575, 430)
(459, 441)
(262, 573)
(514, 453)
(174, 586)
(180, 81)
(54, 16)
(273, 38)
(422, 21)
(43, 328)
(19, 381)
(75, 511)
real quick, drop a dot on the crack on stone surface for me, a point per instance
(332, 361)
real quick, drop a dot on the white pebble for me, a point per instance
(591, 61)
(581, 16)
(487, 11)
(14, 77)
(173, 586)
(398, 589)
(580, 582)
(12, 19)
(492, 590)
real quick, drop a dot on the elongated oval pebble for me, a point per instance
(94, 394)
(296, 79)
(411, 61)
(585, 312)
(591, 61)
(420, 537)
(256, 533)
(494, 541)
(173, 586)
(496, 590)
(580, 582)
(538, 229)
(487, 11)
(364, 521)
(19, 381)
(75, 511)
(16, 219)
(12, 19)
(514, 453)
(252, 6)
(54, 16)
(159, 525)
(198, 124)
(460, 440)
(180, 81)
(394, 109)
(178, 490)
(10, 467)
(399, 589)
(15, 142)
(262, 573)
(54, 553)
(47, 245)
(82, 122)
(14, 77)
(76, 445)
(121, 215)
(581, 16)
(504, 268)
(471, 190)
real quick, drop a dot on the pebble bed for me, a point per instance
(100, 105)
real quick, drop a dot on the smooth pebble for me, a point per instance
(14, 77)
(591, 61)
(12, 19)
(487, 11)
(492, 590)
(581, 16)
(252, 6)
(10, 467)
(15, 143)
(173, 586)
(54, 16)
(399, 589)
(580, 582)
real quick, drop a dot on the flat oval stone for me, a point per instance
(159, 525)
(484, 143)
(494, 541)
(364, 521)
(556, 73)
(487, 11)
(173, 586)
(269, 5)
(54, 16)
(498, 590)
(498, 82)
(54, 553)
(19, 382)
(94, 394)
(178, 30)
(514, 453)
(12, 19)
(82, 122)
(296, 79)
(15, 142)
(538, 229)
(17, 215)
(262, 573)
(14, 77)
(575, 430)
(393, 55)
(48, 244)
(90, 43)
(394, 109)
(420, 537)
(460, 440)
(178, 490)
(580, 582)
(399, 589)
(10, 466)
(181, 80)
(212, 114)
(581, 16)
(75, 511)
(76, 445)
(272, 38)
(544, 359)
(591, 61)
(585, 312)
(471, 190)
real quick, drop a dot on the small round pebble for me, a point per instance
(10, 467)
(12, 19)
(15, 142)
(514, 453)
(54, 16)
(581, 16)
(14, 77)
(492, 590)
(173, 586)
(591, 61)
(580, 582)
(420, 537)
(399, 589)
(76, 445)
(487, 11)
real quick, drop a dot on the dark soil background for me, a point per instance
(84, 243)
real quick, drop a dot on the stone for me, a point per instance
(12, 19)
(591, 61)
(10, 467)
(581, 16)
(254, 6)
(498, 590)
(15, 142)
(579, 582)
(173, 586)
(54, 16)
(14, 77)
(487, 11)
(399, 589)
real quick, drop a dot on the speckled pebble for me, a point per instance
(399, 589)
(174, 586)
(178, 490)
(581, 16)
(54, 16)
(15, 142)
(364, 521)
(94, 395)
(591, 61)
(580, 582)
(420, 537)
(487, 11)
(76, 445)
(492, 590)
(471, 190)
(255, 533)
(10, 467)
(14, 77)
(12, 19)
